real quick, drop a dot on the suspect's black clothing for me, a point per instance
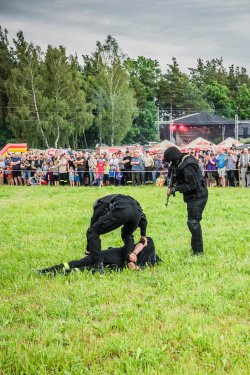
(191, 183)
(112, 212)
(113, 258)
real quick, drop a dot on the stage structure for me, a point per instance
(184, 130)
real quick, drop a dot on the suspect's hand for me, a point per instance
(133, 257)
(132, 266)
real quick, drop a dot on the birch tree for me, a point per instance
(25, 90)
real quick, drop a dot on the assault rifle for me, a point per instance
(170, 183)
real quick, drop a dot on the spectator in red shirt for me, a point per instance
(100, 172)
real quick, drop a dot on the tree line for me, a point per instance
(48, 99)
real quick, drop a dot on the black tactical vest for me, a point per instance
(200, 189)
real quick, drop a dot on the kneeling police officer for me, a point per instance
(112, 212)
(190, 182)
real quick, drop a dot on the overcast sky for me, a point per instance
(157, 29)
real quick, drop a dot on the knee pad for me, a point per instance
(91, 232)
(193, 224)
(88, 231)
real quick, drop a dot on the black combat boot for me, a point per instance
(197, 253)
(98, 267)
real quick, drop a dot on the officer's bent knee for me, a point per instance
(91, 232)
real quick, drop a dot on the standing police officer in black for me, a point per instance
(111, 212)
(190, 182)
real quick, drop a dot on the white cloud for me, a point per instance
(160, 29)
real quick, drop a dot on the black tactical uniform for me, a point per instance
(190, 182)
(113, 258)
(111, 212)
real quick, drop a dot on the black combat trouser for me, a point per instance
(113, 257)
(129, 217)
(195, 208)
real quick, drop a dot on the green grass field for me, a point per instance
(186, 316)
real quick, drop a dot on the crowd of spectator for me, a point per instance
(225, 167)
(82, 168)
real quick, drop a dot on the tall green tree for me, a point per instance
(226, 91)
(242, 102)
(178, 95)
(145, 75)
(109, 89)
(47, 105)
(207, 72)
(6, 64)
(218, 96)
(236, 78)
(68, 115)
(145, 126)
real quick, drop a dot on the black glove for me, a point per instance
(171, 191)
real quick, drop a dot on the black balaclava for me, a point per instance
(172, 154)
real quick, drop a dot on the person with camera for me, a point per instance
(111, 212)
(221, 166)
(190, 182)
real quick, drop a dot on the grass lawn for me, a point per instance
(186, 316)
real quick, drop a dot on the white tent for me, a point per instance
(200, 143)
(162, 146)
(228, 142)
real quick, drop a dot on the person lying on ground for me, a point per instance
(113, 258)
